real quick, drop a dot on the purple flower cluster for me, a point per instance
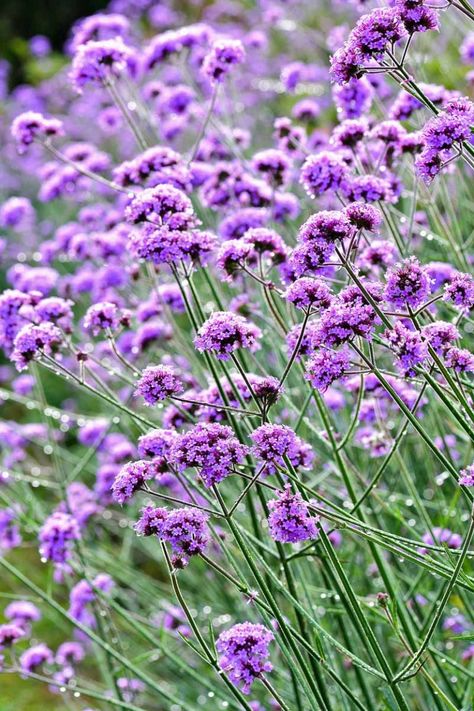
(158, 382)
(223, 55)
(274, 444)
(290, 520)
(184, 529)
(211, 448)
(243, 653)
(225, 332)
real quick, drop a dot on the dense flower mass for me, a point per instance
(225, 332)
(237, 359)
(289, 520)
(212, 448)
(243, 653)
(158, 382)
(274, 444)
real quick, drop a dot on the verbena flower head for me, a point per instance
(244, 654)
(375, 31)
(266, 242)
(419, 18)
(223, 55)
(460, 359)
(225, 332)
(273, 164)
(69, 653)
(306, 292)
(440, 335)
(156, 443)
(22, 612)
(363, 216)
(353, 98)
(9, 634)
(342, 321)
(57, 536)
(233, 256)
(17, 213)
(326, 366)
(442, 536)
(275, 443)
(151, 521)
(103, 316)
(290, 520)
(99, 26)
(441, 132)
(211, 448)
(131, 477)
(35, 657)
(329, 225)
(187, 532)
(409, 347)
(33, 341)
(322, 172)
(459, 290)
(31, 125)
(407, 283)
(466, 476)
(158, 382)
(100, 61)
(163, 204)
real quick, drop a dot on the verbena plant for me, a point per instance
(237, 459)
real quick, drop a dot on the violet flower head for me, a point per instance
(35, 657)
(363, 216)
(342, 321)
(244, 654)
(103, 316)
(354, 98)
(22, 612)
(466, 476)
(275, 443)
(459, 290)
(156, 443)
(440, 335)
(163, 205)
(187, 532)
(57, 536)
(408, 283)
(33, 341)
(210, 447)
(151, 521)
(10, 633)
(31, 125)
(99, 27)
(375, 31)
(290, 520)
(441, 536)
(99, 61)
(131, 477)
(158, 382)
(69, 653)
(223, 55)
(409, 347)
(460, 359)
(274, 165)
(306, 292)
(225, 332)
(322, 172)
(328, 225)
(17, 213)
(326, 366)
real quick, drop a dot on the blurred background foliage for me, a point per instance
(20, 20)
